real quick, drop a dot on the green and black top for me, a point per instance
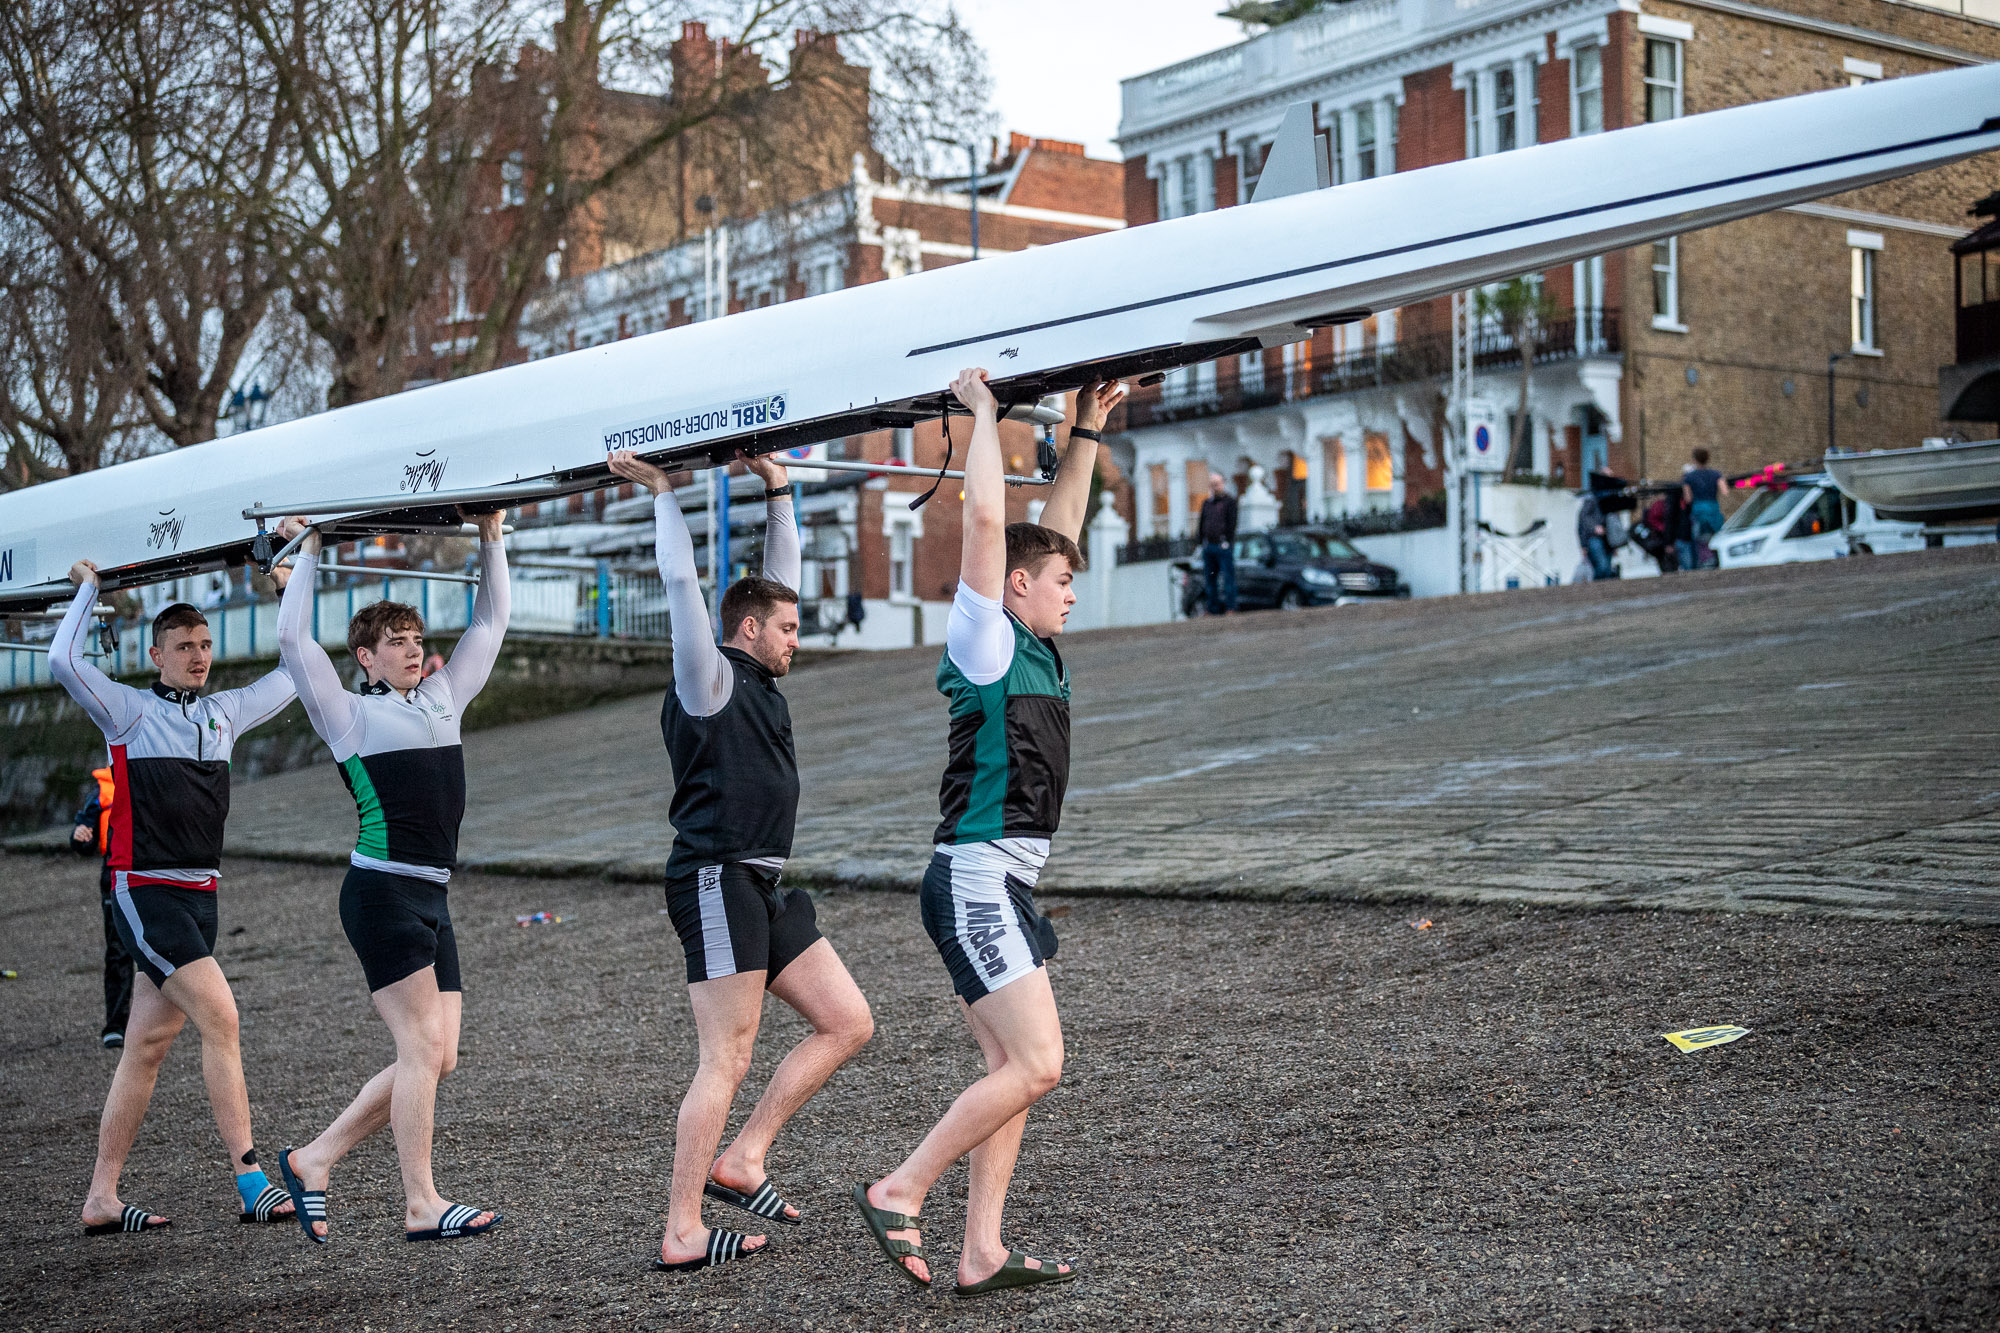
(1008, 764)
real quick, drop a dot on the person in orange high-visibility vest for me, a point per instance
(92, 836)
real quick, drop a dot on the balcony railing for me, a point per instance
(1408, 360)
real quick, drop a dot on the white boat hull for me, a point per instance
(1934, 484)
(1121, 303)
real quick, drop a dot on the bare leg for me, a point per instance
(818, 986)
(369, 1111)
(726, 1013)
(200, 991)
(992, 1167)
(149, 1034)
(1021, 1020)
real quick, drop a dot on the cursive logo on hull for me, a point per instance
(166, 534)
(426, 474)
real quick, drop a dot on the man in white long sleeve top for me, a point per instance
(169, 750)
(1006, 770)
(736, 796)
(397, 744)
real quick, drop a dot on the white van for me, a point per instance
(1807, 520)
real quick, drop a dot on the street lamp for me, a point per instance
(1832, 361)
(971, 180)
(247, 411)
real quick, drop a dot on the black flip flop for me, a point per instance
(765, 1202)
(723, 1247)
(453, 1223)
(309, 1206)
(880, 1223)
(1016, 1273)
(131, 1221)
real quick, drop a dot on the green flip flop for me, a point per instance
(880, 1223)
(1016, 1273)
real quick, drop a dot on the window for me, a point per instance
(1504, 110)
(1190, 191)
(1860, 71)
(1364, 140)
(1663, 79)
(1586, 85)
(1819, 518)
(1156, 476)
(1472, 115)
(1381, 473)
(1667, 284)
(1250, 154)
(1252, 550)
(513, 181)
(1250, 372)
(1336, 151)
(1395, 111)
(1861, 298)
(1336, 457)
(902, 543)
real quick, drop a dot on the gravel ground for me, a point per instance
(1274, 1115)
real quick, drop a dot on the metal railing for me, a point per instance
(1410, 359)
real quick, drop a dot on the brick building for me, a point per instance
(798, 141)
(1718, 338)
(860, 534)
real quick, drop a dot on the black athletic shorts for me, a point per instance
(985, 925)
(398, 926)
(734, 918)
(165, 928)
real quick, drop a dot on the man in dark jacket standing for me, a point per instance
(92, 837)
(1217, 529)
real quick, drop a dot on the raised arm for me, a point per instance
(479, 647)
(702, 679)
(982, 563)
(334, 713)
(1069, 496)
(107, 703)
(254, 704)
(781, 529)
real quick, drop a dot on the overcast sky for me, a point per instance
(1057, 63)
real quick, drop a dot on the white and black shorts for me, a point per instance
(734, 918)
(984, 923)
(164, 926)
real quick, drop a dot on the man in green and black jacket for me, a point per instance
(1001, 799)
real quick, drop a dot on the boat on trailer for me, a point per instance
(1940, 481)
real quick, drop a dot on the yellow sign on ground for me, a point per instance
(1695, 1039)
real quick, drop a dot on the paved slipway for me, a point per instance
(1812, 736)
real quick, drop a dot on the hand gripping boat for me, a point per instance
(1122, 303)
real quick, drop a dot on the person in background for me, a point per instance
(1591, 535)
(1701, 490)
(92, 837)
(1217, 529)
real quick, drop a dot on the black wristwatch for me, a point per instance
(1084, 433)
(779, 493)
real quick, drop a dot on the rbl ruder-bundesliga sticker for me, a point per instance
(1697, 1039)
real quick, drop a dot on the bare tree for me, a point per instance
(457, 163)
(145, 154)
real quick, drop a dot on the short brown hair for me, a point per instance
(178, 616)
(1029, 546)
(373, 623)
(753, 598)
(1701, 457)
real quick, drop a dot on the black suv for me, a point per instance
(1293, 567)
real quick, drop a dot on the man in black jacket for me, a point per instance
(735, 802)
(1217, 529)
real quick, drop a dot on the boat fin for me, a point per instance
(1301, 157)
